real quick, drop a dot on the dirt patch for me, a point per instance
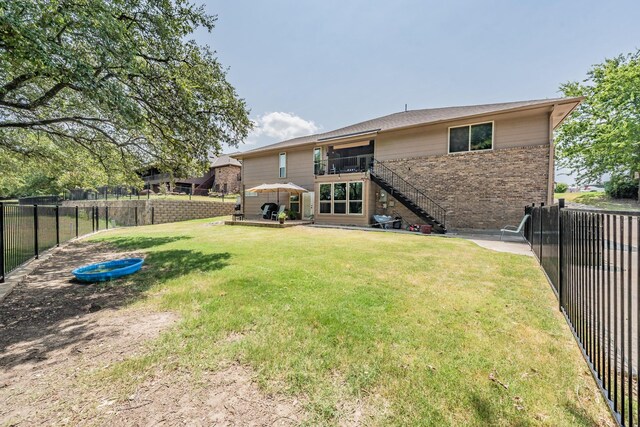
(228, 397)
(56, 336)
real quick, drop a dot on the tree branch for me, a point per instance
(43, 122)
(15, 83)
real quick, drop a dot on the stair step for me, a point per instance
(409, 203)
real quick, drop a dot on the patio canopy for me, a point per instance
(289, 187)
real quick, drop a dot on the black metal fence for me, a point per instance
(592, 260)
(28, 230)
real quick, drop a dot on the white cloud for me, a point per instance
(280, 126)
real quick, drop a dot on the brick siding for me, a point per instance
(227, 175)
(479, 190)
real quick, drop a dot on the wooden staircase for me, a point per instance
(411, 197)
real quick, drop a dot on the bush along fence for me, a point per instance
(28, 230)
(592, 261)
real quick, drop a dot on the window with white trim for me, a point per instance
(471, 137)
(317, 160)
(355, 198)
(282, 162)
(294, 203)
(325, 198)
(342, 198)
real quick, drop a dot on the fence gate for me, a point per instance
(592, 259)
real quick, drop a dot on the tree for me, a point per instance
(30, 175)
(117, 80)
(561, 187)
(603, 134)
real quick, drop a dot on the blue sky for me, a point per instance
(306, 66)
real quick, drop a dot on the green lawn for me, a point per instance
(599, 199)
(419, 330)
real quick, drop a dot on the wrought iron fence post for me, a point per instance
(153, 215)
(560, 253)
(540, 231)
(35, 230)
(136, 214)
(2, 268)
(96, 226)
(77, 222)
(57, 225)
(106, 217)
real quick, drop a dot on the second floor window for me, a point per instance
(317, 161)
(283, 165)
(471, 138)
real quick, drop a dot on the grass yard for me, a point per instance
(409, 330)
(600, 200)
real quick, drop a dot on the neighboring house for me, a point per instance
(472, 167)
(223, 177)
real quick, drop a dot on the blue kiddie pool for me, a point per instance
(104, 271)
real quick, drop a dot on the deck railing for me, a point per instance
(339, 165)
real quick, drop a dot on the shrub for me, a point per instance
(622, 187)
(561, 187)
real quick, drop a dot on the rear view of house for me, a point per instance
(471, 167)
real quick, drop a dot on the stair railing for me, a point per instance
(410, 191)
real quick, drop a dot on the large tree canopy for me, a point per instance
(115, 79)
(603, 134)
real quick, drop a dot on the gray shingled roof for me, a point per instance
(412, 118)
(224, 160)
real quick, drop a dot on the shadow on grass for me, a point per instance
(49, 312)
(167, 265)
(581, 416)
(141, 242)
(483, 409)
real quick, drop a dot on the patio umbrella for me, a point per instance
(289, 187)
(292, 188)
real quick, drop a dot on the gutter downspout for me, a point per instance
(552, 153)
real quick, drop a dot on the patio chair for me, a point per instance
(515, 230)
(265, 211)
(275, 215)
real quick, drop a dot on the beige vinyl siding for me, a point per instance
(265, 170)
(510, 130)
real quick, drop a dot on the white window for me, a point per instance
(325, 198)
(355, 198)
(294, 203)
(283, 165)
(317, 161)
(471, 137)
(342, 198)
